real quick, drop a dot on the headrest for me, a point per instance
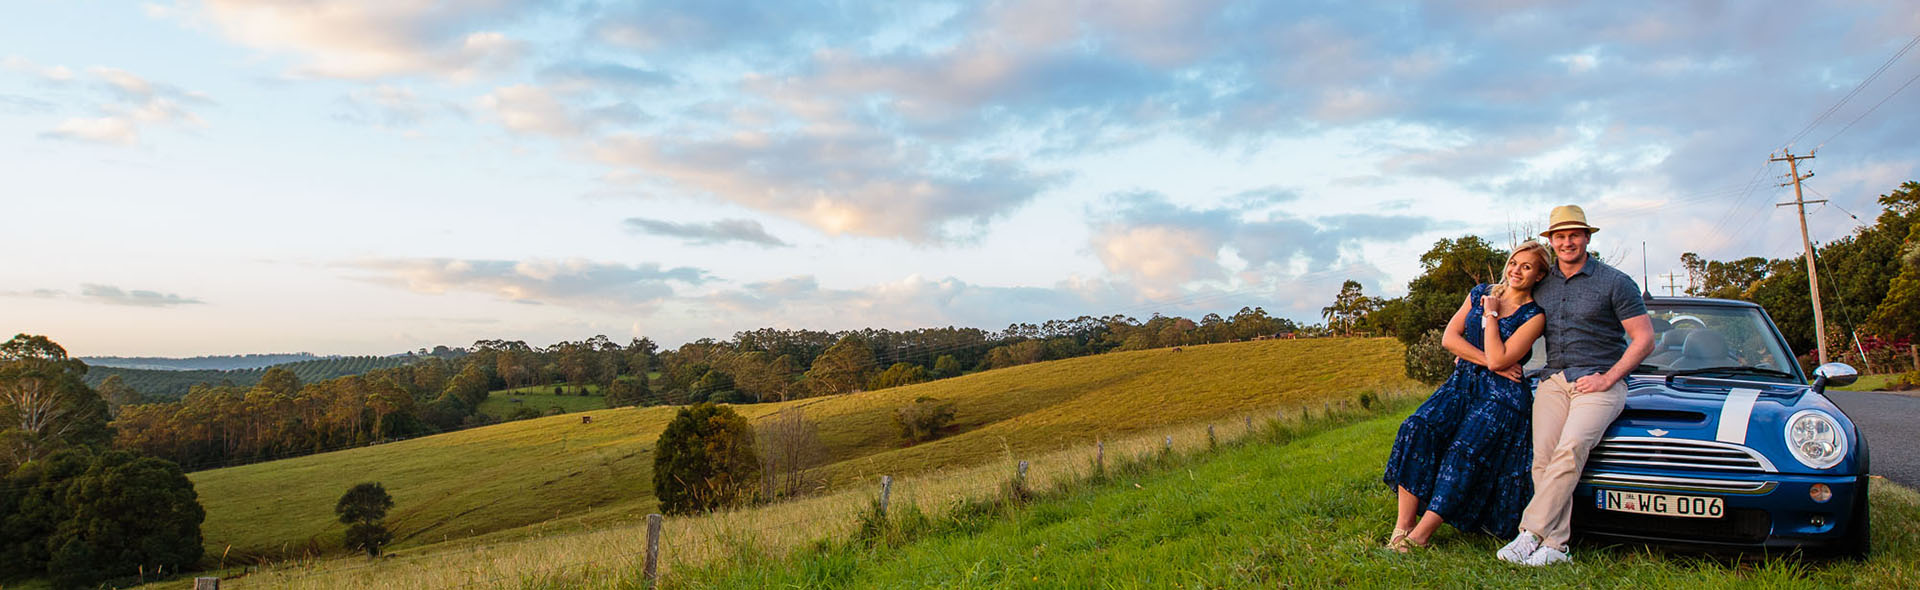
(1705, 344)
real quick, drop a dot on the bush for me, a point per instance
(628, 390)
(922, 420)
(704, 460)
(1427, 361)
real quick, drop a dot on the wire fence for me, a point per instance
(622, 556)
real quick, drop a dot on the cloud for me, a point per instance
(112, 295)
(1164, 247)
(749, 26)
(528, 109)
(135, 103)
(368, 39)
(393, 107)
(571, 282)
(716, 232)
(911, 302)
(588, 73)
(52, 74)
(855, 181)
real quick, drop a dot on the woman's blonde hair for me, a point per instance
(1538, 249)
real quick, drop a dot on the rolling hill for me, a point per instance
(492, 481)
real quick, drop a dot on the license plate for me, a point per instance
(1660, 504)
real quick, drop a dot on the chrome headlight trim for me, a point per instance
(1815, 439)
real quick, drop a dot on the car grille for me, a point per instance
(1740, 525)
(1691, 455)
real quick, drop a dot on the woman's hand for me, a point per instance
(1493, 305)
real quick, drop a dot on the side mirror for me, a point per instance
(1834, 374)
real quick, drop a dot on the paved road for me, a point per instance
(1888, 420)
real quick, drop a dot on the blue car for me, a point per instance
(1724, 444)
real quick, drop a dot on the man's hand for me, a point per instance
(1593, 383)
(1512, 373)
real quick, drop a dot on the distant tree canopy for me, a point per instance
(81, 518)
(1448, 270)
(705, 459)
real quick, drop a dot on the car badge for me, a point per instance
(1657, 432)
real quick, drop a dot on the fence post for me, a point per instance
(1211, 440)
(1169, 447)
(206, 584)
(653, 550)
(1100, 455)
(886, 489)
(1023, 472)
(1249, 423)
(1914, 349)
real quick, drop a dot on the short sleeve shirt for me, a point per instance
(1584, 312)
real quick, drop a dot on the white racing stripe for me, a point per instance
(1734, 415)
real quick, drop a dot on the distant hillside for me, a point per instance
(232, 362)
(171, 385)
(497, 478)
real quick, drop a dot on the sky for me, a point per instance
(376, 176)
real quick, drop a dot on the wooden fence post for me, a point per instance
(1249, 423)
(1169, 447)
(1100, 455)
(886, 489)
(1914, 349)
(206, 584)
(653, 550)
(1023, 471)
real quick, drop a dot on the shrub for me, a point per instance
(704, 460)
(628, 390)
(1427, 361)
(922, 420)
(897, 375)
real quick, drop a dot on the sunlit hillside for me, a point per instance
(501, 478)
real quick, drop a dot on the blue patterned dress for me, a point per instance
(1466, 452)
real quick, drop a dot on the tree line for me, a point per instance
(164, 384)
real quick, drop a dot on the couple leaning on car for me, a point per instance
(1464, 457)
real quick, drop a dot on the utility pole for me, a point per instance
(1813, 275)
(1671, 287)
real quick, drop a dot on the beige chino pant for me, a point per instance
(1566, 426)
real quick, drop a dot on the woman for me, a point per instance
(1464, 455)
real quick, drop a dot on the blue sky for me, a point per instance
(362, 176)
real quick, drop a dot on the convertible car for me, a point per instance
(1726, 445)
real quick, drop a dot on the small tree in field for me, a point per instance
(364, 509)
(705, 460)
(789, 446)
(922, 420)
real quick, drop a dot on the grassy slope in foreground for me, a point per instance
(462, 484)
(1309, 514)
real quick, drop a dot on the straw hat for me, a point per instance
(1567, 217)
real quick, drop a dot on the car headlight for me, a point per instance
(1815, 439)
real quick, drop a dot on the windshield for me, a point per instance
(1689, 338)
(1694, 337)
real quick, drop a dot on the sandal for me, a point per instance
(1397, 535)
(1406, 545)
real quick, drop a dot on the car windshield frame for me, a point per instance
(1765, 341)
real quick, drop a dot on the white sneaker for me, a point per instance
(1547, 556)
(1520, 549)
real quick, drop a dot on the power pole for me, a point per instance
(1671, 287)
(1813, 275)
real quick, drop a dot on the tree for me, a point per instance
(280, 380)
(1899, 313)
(44, 403)
(923, 419)
(789, 445)
(628, 390)
(117, 394)
(364, 510)
(946, 366)
(704, 460)
(897, 375)
(842, 368)
(82, 518)
(1349, 308)
(1450, 269)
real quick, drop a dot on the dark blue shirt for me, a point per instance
(1584, 311)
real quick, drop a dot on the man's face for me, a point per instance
(1570, 245)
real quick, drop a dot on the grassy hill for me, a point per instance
(501, 478)
(501, 403)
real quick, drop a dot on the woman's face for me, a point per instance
(1524, 268)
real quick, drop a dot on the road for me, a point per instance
(1888, 421)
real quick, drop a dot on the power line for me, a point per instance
(1856, 91)
(1875, 106)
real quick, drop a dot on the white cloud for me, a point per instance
(135, 102)
(530, 109)
(360, 39)
(109, 130)
(573, 282)
(55, 73)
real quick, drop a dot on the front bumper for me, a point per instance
(1763, 512)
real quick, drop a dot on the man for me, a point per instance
(1592, 310)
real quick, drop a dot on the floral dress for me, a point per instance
(1466, 452)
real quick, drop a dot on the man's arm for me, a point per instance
(1640, 329)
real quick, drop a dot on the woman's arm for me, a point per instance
(1501, 355)
(1453, 338)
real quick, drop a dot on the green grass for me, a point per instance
(1309, 514)
(1882, 382)
(501, 403)
(498, 482)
